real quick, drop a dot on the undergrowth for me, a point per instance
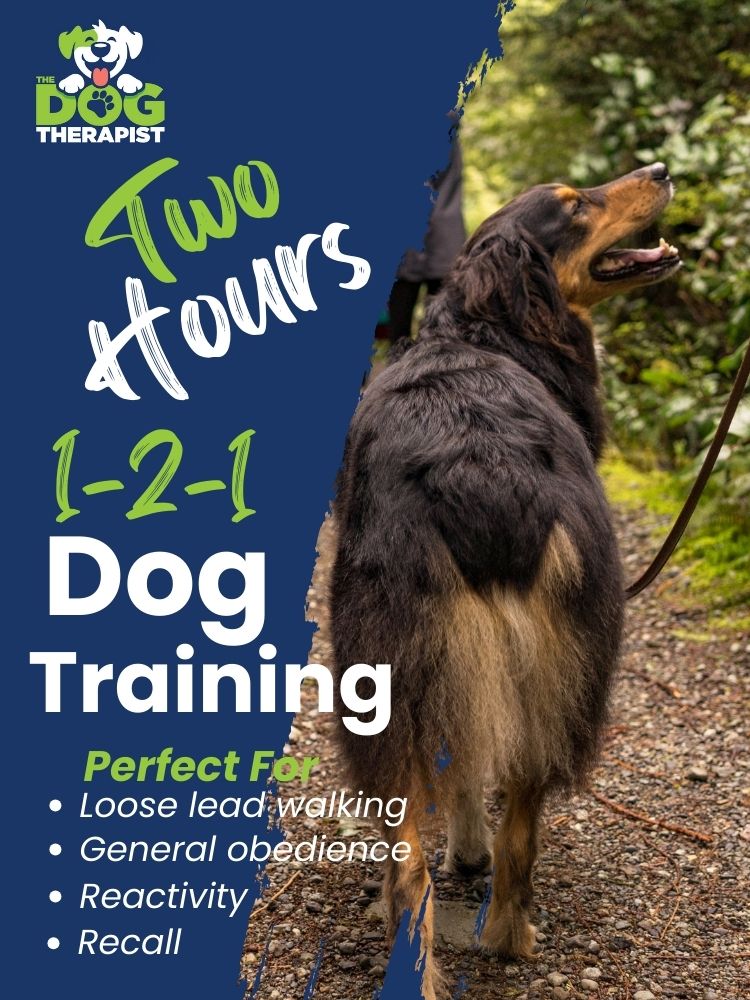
(714, 553)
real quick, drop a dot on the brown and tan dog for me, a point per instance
(475, 549)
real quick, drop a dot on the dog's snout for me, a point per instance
(100, 48)
(659, 172)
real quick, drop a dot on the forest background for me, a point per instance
(589, 90)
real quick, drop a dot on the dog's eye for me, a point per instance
(577, 206)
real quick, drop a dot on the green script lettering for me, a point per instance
(127, 198)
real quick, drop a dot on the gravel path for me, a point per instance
(626, 907)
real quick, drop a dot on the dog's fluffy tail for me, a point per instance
(496, 682)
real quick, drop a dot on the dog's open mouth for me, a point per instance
(99, 72)
(654, 263)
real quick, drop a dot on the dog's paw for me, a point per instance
(71, 84)
(434, 984)
(467, 866)
(469, 849)
(128, 84)
(511, 934)
(101, 102)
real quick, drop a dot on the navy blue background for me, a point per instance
(348, 104)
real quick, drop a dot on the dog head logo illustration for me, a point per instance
(100, 54)
(99, 102)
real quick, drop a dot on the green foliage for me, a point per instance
(588, 91)
(714, 552)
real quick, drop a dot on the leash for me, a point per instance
(688, 508)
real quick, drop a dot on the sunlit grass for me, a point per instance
(714, 553)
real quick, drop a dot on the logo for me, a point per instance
(113, 105)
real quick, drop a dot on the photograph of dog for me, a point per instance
(475, 550)
(100, 54)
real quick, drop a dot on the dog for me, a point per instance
(100, 53)
(475, 550)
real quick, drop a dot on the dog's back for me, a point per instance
(476, 556)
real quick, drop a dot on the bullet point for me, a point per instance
(55, 805)
(55, 896)
(53, 943)
(55, 849)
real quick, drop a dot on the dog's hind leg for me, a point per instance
(407, 886)
(508, 929)
(469, 837)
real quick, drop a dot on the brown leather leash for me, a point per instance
(688, 508)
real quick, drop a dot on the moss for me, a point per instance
(639, 491)
(738, 622)
(690, 635)
(714, 553)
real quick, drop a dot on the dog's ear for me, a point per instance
(133, 41)
(507, 277)
(69, 41)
